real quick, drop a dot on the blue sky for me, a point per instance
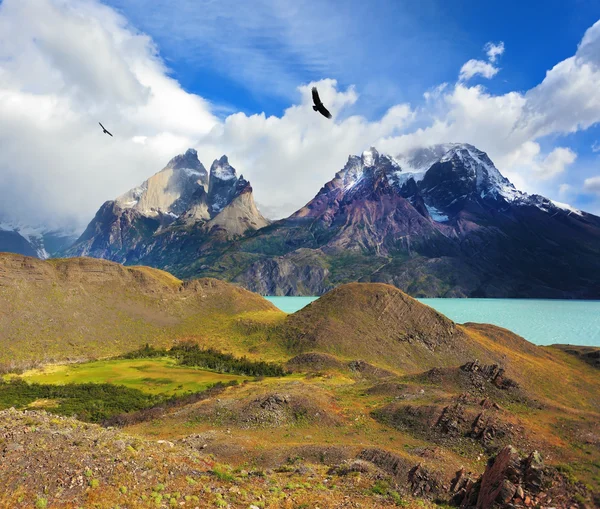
(519, 80)
(391, 50)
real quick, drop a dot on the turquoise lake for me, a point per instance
(542, 322)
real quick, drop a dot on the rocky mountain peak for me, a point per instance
(370, 157)
(188, 160)
(465, 173)
(222, 170)
(223, 184)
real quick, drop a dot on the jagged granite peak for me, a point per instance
(223, 184)
(179, 203)
(222, 170)
(168, 192)
(188, 160)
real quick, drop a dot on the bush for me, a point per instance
(89, 402)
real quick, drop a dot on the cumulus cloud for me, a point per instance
(565, 190)
(66, 66)
(480, 67)
(493, 51)
(474, 67)
(592, 185)
(56, 83)
(554, 163)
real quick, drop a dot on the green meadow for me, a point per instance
(160, 376)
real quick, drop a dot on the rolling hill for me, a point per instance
(387, 401)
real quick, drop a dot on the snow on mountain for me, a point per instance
(445, 176)
(44, 241)
(569, 208)
(222, 170)
(222, 184)
(436, 214)
(488, 179)
(418, 161)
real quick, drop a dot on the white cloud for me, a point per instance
(565, 190)
(595, 147)
(480, 67)
(555, 163)
(66, 66)
(474, 67)
(592, 185)
(54, 88)
(493, 51)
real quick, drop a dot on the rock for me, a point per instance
(492, 373)
(423, 483)
(520, 492)
(274, 401)
(502, 481)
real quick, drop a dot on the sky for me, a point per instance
(519, 80)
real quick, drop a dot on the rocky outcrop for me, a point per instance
(512, 481)
(424, 483)
(492, 373)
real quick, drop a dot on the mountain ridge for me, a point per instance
(440, 221)
(182, 195)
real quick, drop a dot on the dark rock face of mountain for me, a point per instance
(39, 242)
(179, 203)
(442, 222)
(438, 222)
(13, 242)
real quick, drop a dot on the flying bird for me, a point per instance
(104, 129)
(318, 104)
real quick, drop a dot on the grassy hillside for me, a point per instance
(387, 401)
(83, 308)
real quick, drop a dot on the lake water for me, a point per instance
(542, 322)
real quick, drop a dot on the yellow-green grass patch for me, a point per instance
(152, 376)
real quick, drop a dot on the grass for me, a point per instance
(190, 354)
(159, 376)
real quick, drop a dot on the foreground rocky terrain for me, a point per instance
(365, 398)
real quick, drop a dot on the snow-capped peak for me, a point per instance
(489, 181)
(370, 156)
(222, 170)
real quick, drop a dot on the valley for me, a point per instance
(364, 398)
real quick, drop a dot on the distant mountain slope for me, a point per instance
(40, 242)
(181, 197)
(84, 308)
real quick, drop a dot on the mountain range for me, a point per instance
(439, 221)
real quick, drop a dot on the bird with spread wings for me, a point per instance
(104, 129)
(318, 106)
